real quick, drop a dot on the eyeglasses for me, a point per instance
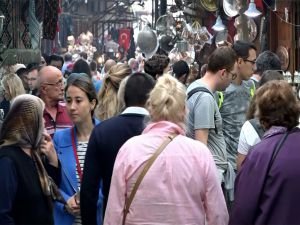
(250, 61)
(59, 83)
(233, 75)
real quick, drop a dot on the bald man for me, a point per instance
(108, 64)
(51, 90)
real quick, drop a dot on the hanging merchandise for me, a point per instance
(182, 51)
(34, 26)
(165, 22)
(195, 33)
(147, 41)
(230, 8)
(50, 19)
(166, 29)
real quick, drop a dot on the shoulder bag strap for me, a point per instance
(273, 157)
(143, 173)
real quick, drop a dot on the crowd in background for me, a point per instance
(144, 141)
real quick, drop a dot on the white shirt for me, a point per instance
(248, 138)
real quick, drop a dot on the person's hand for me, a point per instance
(72, 207)
(47, 148)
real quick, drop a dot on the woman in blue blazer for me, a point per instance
(71, 145)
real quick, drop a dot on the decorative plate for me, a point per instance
(283, 55)
(209, 5)
(230, 9)
(252, 29)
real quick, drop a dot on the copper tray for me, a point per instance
(283, 55)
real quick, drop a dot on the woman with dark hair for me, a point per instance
(181, 71)
(71, 145)
(267, 187)
(81, 66)
(25, 187)
(252, 131)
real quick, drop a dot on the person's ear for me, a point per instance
(93, 104)
(222, 73)
(240, 61)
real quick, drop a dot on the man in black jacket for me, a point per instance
(106, 140)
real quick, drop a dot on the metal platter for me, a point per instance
(283, 55)
(209, 5)
(252, 29)
(230, 8)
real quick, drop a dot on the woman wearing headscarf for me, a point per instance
(71, 145)
(26, 190)
(181, 186)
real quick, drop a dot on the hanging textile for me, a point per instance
(50, 19)
(34, 26)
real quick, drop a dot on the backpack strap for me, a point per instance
(198, 89)
(203, 89)
(257, 127)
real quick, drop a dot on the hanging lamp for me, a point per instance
(252, 10)
(219, 26)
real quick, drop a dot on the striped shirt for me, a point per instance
(81, 151)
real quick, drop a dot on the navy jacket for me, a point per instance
(104, 144)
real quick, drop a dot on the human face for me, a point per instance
(79, 107)
(247, 66)
(54, 87)
(227, 77)
(32, 79)
(56, 64)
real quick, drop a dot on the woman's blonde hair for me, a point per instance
(167, 101)
(13, 85)
(108, 100)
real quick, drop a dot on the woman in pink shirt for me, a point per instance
(181, 187)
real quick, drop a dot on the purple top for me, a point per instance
(278, 201)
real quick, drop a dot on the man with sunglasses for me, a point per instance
(237, 96)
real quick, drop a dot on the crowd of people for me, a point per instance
(147, 142)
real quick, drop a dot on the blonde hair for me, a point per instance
(121, 94)
(13, 85)
(167, 101)
(108, 100)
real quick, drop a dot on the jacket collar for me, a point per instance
(164, 128)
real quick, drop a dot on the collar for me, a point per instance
(164, 127)
(136, 110)
(275, 130)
